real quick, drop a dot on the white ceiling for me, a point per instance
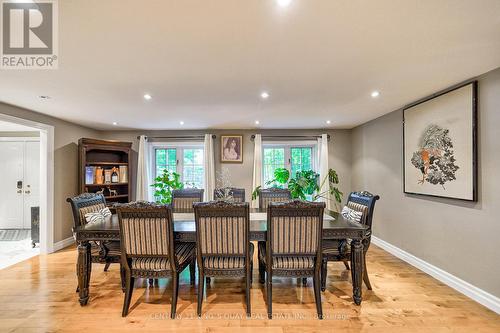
(206, 62)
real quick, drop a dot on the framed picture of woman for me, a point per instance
(231, 149)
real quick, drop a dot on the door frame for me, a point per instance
(46, 179)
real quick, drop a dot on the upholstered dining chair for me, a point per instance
(223, 245)
(273, 194)
(266, 196)
(103, 252)
(148, 248)
(182, 200)
(338, 250)
(230, 193)
(293, 247)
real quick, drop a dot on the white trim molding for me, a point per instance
(46, 179)
(64, 243)
(482, 297)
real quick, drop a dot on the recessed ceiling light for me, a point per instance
(264, 95)
(284, 3)
(375, 94)
(181, 122)
(328, 122)
(115, 123)
(147, 97)
(44, 97)
(257, 122)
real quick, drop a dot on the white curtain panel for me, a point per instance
(209, 162)
(257, 167)
(323, 167)
(143, 189)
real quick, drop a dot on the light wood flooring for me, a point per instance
(38, 295)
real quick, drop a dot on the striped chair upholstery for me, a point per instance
(148, 248)
(230, 194)
(339, 250)
(293, 248)
(268, 195)
(223, 243)
(101, 252)
(183, 200)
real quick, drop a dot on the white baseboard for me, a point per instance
(488, 300)
(64, 243)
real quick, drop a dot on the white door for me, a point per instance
(11, 189)
(31, 185)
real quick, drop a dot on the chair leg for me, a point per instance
(106, 266)
(251, 273)
(304, 282)
(269, 284)
(262, 268)
(324, 272)
(123, 277)
(192, 272)
(201, 285)
(175, 293)
(366, 280)
(129, 288)
(248, 286)
(346, 264)
(317, 294)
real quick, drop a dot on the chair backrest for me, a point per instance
(146, 230)
(222, 229)
(230, 193)
(363, 202)
(83, 204)
(182, 200)
(273, 194)
(295, 228)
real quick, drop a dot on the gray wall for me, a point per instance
(20, 134)
(66, 137)
(241, 174)
(458, 237)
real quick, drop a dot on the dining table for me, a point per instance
(335, 226)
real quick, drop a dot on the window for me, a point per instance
(294, 157)
(186, 160)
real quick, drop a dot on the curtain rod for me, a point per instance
(310, 137)
(185, 137)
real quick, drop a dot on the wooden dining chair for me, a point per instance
(223, 245)
(293, 247)
(338, 250)
(101, 252)
(149, 250)
(273, 194)
(182, 200)
(230, 193)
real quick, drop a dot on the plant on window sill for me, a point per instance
(306, 183)
(165, 184)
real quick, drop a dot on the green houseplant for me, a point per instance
(305, 183)
(165, 184)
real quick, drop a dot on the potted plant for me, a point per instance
(165, 184)
(305, 184)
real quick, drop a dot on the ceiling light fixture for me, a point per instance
(181, 122)
(328, 122)
(264, 95)
(257, 122)
(147, 97)
(44, 97)
(375, 94)
(115, 123)
(284, 3)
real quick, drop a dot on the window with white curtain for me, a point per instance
(294, 156)
(185, 159)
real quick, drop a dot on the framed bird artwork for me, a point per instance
(440, 144)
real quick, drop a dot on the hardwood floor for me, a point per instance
(38, 295)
